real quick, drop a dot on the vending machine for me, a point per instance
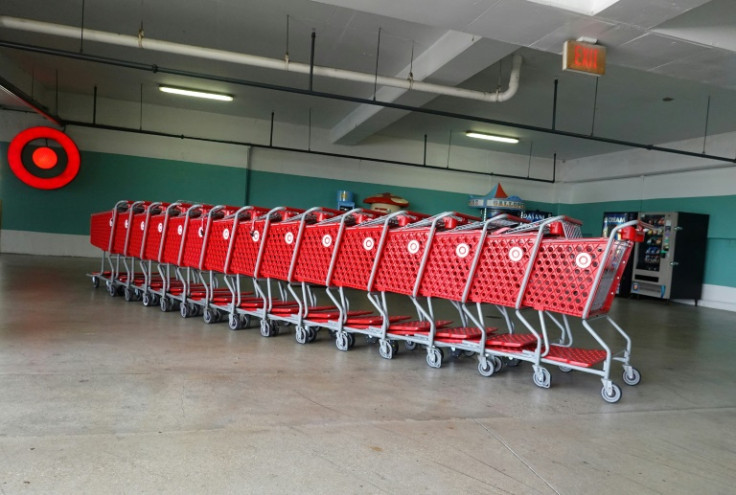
(612, 219)
(670, 263)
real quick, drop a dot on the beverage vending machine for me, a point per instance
(670, 263)
(612, 219)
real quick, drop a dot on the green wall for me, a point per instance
(105, 178)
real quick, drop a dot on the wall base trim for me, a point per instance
(45, 244)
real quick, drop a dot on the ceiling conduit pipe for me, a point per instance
(263, 62)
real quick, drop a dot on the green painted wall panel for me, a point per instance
(104, 179)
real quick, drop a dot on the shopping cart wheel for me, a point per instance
(164, 304)
(146, 298)
(341, 341)
(497, 364)
(565, 369)
(155, 300)
(631, 376)
(111, 289)
(513, 362)
(434, 357)
(128, 294)
(267, 328)
(410, 346)
(394, 345)
(311, 334)
(351, 341)
(95, 282)
(209, 315)
(485, 368)
(301, 334)
(386, 350)
(611, 393)
(234, 322)
(184, 310)
(246, 321)
(541, 377)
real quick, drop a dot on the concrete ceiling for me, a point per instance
(683, 50)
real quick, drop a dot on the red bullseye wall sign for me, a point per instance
(44, 158)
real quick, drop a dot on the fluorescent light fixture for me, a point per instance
(491, 137)
(195, 93)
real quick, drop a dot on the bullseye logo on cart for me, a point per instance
(43, 158)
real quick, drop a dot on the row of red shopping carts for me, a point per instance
(200, 258)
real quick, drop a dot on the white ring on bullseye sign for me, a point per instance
(143, 225)
(160, 227)
(255, 235)
(226, 234)
(368, 243)
(583, 260)
(516, 253)
(126, 223)
(289, 237)
(327, 240)
(179, 229)
(462, 250)
(413, 246)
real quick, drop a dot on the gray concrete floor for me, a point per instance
(103, 396)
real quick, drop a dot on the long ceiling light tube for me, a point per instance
(492, 137)
(354, 99)
(195, 93)
(264, 62)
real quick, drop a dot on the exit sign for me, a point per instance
(584, 57)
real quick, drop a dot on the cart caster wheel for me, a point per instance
(434, 357)
(632, 377)
(184, 310)
(485, 368)
(246, 321)
(138, 294)
(128, 294)
(111, 289)
(369, 339)
(155, 300)
(351, 340)
(267, 328)
(385, 350)
(497, 364)
(341, 341)
(209, 316)
(613, 395)
(565, 369)
(410, 346)
(542, 377)
(165, 304)
(394, 345)
(311, 334)
(234, 322)
(301, 335)
(146, 299)
(513, 362)
(95, 282)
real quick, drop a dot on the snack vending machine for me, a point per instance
(670, 263)
(612, 219)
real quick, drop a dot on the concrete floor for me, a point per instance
(103, 396)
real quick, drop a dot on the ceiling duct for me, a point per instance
(263, 62)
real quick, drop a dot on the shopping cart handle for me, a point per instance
(450, 223)
(632, 234)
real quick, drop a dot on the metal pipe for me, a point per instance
(150, 44)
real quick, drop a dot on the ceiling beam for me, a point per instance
(452, 59)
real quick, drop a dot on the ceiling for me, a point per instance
(683, 51)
